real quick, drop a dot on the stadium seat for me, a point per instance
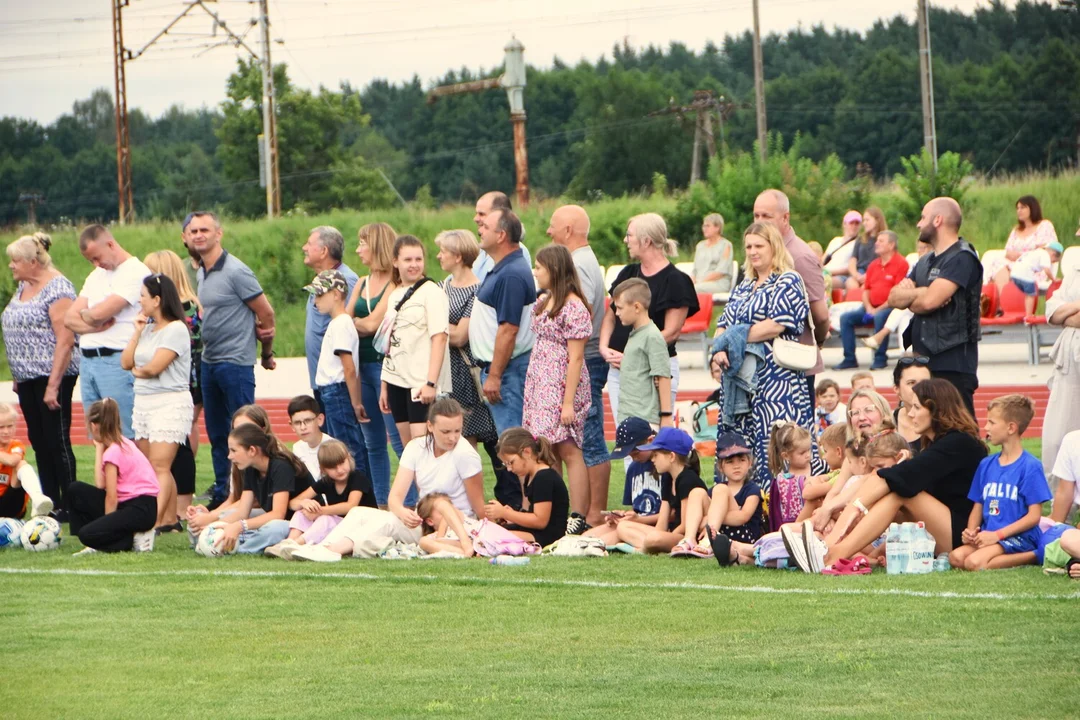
(611, 274)
(1011, 304)
(722, 298)
(686, 267)
(989, 256)
(698, 324)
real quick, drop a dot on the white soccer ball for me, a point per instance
(10, 528)
(206, 545)
(41, 533)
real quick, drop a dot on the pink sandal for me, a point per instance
(843, 566)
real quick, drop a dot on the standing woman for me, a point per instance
(458, 250)
(367, 305)
(673, 297)
(170, 265)
(39, 351)
(863, 254)
(1032, 232)
(770, 303)
(159, 356)
(557, 391)
(1062, 410)
(713, 258)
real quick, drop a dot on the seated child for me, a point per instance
(832, 445)
(320, 508)
(306, 418)
(862, 380)
(1059, 548)
(840, 495)
(547, 503)
(734, 510)
(1034, 271)
(439, 514)
(19, 484)
(789, 462)
(829, 409)
(642, 491)
(1008, 490)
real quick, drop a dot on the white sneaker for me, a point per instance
(288, 550)
(316, 553)
(795, 546)
(278, 550)
(40, 505)
(143, 541)
(84, 551)
(815, 548)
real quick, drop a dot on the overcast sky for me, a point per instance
(57, 51)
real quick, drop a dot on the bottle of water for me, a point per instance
(903, 549)
(509, 560)
(892, 550)
(923, 554)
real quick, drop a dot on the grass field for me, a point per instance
(169, 633)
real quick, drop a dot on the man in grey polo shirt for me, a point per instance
(232, 301)
(569, 227)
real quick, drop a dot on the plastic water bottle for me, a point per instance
(509, 560)
(892, 550)
(903, 549)
(923, 551)
(941, 564)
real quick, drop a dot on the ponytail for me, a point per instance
(106, 415)
(784, 437)
(516, 440)
(691, 461)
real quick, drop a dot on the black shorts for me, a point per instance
(403, 407)
(183, 470)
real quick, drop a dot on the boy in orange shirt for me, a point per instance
(19, 484)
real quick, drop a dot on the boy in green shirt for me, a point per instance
(645, 371)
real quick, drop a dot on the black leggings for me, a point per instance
(49, 432)
(113, 532)
(183, 470)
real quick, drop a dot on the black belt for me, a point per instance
(99, 352)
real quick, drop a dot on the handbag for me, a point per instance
(381, 339)
(474, 373)
(792, 354)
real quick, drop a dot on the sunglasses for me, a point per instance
(920, 360)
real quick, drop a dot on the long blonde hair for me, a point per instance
(171, 266)
(781, 260)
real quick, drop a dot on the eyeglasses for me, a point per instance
(860, 413)
(303, 422)
(920, 360)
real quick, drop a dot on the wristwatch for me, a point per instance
(430, 384)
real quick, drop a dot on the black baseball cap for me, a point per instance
(631, 432)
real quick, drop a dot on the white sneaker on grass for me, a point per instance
(278, 550)
(315, 553)
(143, 541)
(40, 505)
(795, 546)
(816, 548)
(85, 551)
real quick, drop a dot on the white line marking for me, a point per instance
(758, 589)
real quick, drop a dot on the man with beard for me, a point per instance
(944, 295)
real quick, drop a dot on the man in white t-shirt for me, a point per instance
(1067, 472)
(104, 317)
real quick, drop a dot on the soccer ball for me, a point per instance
(41, 533)
(9, 532)
(206, 544)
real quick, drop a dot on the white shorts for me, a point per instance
(163, 417)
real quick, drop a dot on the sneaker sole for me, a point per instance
(808, 542)
(795, 547)
(42, 508)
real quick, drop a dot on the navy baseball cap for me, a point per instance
(672, 440)
(631, 432)
(187, 221)
(730, 444)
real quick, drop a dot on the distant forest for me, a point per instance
(1006, 87)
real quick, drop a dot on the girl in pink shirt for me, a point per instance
(118, 512)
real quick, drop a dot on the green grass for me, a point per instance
(132, 636)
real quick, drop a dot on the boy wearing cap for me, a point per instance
(1034, 271)
(642, 491)
(335, 376)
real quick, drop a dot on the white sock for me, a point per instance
(28, 478)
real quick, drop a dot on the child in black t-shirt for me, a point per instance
(547, 503)
(320, 508)
(643, 486)
(682, 501)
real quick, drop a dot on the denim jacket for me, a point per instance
(739, 381)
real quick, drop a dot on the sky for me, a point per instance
(58, 51)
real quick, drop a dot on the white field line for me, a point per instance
(541, 582)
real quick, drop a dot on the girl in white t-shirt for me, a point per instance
(159, 356)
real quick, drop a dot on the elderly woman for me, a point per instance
(673, 297)
(770, 303)
(39, 350)
(713, 258)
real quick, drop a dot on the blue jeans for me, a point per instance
(226, 389)
(253, 542)
(341, 423)
(850, 320)
(594, 446)
(375, 432)
(102, 377)
(507, 413)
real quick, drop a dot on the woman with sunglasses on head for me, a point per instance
(159, 356)
(909, 371)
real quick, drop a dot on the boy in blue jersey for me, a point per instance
(1008, 490)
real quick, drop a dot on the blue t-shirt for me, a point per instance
(750, 531)
(1006, 491)
(483, 264)
(643, 489)
(316, 323)
(507, 295)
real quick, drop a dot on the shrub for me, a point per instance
(920, 183)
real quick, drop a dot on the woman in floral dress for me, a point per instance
(557, 395)
(1032, 232)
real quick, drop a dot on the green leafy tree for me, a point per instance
(920, 182)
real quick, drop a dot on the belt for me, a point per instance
(99, 352)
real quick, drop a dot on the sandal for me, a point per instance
(683, 549)
(721, 549)
(843, 566)
(702, 551)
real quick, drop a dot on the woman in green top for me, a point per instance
(367, 305)
(713, 258)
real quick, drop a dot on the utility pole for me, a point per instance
(759, 87)
(270, 154)
(701, 108)
(126, 208)
(926, 80)
(31, 199)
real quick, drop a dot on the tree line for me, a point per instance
(1005, 84)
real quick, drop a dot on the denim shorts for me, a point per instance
(594, 445)
(1026, 286)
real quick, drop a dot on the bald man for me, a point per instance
(488, 203)
(944, 297)
(569, 227)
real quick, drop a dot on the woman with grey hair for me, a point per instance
(39, 351)
(713, 258)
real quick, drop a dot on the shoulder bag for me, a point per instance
(381, 339)
(792, 354)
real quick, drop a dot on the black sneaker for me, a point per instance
(60, 516)
(576, 525)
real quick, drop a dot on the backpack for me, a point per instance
(578, 546)
(785, 500)
(705, 422)
(490, 540)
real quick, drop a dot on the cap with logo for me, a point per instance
(326, 281)
(671, 440)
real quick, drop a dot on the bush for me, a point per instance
(920, 183)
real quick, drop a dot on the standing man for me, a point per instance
(487, 204)
(569, 227)
(945, 299)
(191, 260)
(882, 275)
(104, 317)
(500, 331)
(324, 250)
(772, 206)
(232, 301)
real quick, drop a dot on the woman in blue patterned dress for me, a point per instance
(772, 302)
